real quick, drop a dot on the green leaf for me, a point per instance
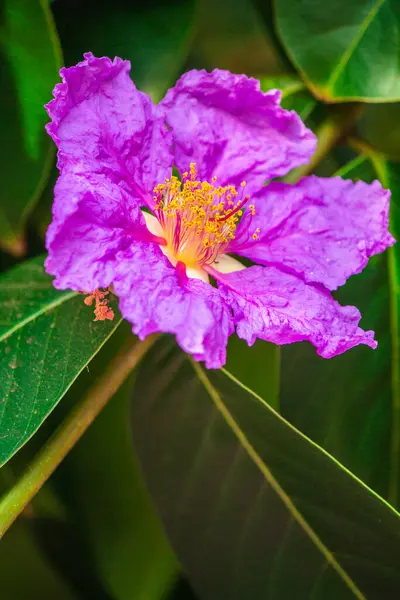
(256, 366)
(253, 508)
(155, 36)
(342, 52)
(30, 58)
(47, 337)
(295, 95)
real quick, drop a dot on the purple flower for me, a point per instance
(121, 219)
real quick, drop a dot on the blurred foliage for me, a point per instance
(124, 538)
(154, 36)
(380, 127)
(251, 507)
(30, 57)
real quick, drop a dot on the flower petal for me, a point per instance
(102, 124)
(232, 130)
(281, 308)
(93, 219)
(155, 299)
(322, 229)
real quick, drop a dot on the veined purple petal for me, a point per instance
(282, 308)
(232, 130)
(93, 219)
(154, 298)
(102, 124)
(322, 229)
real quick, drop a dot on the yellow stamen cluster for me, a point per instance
(198, 218)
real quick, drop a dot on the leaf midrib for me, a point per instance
(262, 467)
(36, 314)
(60, 395)
(344, 59)
(310, 442)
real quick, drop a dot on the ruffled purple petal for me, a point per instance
(322, 229)
(281, 308)
(232, 130)
(155, 299)
(102, 124)
(93, 219)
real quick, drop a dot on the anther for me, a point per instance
(102, 311)
(198, 218)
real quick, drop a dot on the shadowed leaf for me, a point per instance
(243, 494)
(30, 58)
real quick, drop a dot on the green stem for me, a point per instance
(328, 134)
(69, 432)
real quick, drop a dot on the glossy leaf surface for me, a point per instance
(46, 338)
(349, 52)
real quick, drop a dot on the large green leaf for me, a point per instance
(347, 51)
(154, 35)
(30, 58)
(46, 338)
(253, 508)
